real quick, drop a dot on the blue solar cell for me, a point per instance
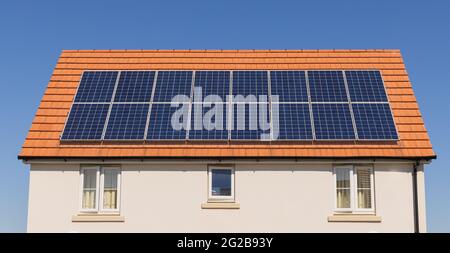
(209, 123)
(333, 122)
(374, 122)
(247, 83)
(86, 122)
(134, 86)
(212, 83)
(293, 122)
(366, 86)
(290, 86)
(332, 119)
(250, 122)
(168, 122)
(172, 83)
(96, 86)
(127, 122)
(327, 86)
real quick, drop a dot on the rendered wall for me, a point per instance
(168, 198)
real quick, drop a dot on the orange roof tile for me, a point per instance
(43, 138)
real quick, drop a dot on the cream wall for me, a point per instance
(168, 198)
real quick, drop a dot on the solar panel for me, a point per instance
(293, 121)
(290, 86)
(250, 83)
(333, 122)
(134, 86)
(327, 86)
(212, 123)
(213, 83)
(247, 122)
(172, 83)
(127, 122)
(165, 124)
(85, 122)
(374, 122)
(366, 86)
(332, 118)
(96, 86)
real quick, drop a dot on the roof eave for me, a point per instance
(28, 158)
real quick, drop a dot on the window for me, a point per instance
(89, 189)
(100, 190)
(110, 188)
(221, 183)
(354, 189)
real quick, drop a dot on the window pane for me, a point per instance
(364, 187)
(343, 178)
(364, 198)
(343, 187)
(110, 188)
(363, 178)
(110, 178)
(89, 188)
(221, 182)
(343, 198)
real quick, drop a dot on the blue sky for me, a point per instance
(33, 33)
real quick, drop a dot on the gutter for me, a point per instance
(415, 197)
(171, 158)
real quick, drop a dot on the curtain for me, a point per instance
(364, 198)
(343, 198)
(110, 199)
(89, 199)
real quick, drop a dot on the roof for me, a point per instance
(43, 139)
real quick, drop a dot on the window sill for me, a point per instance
(221, 205)
(354, 218)
(97, 217)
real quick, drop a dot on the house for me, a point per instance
(228, 141)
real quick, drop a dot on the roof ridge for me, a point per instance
(227, 50)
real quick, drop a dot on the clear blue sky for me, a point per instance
(33, 33)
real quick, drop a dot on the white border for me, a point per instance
(210, 196)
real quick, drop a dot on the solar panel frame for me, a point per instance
(75, 103)
(390, 117)
(150, 105)
(113, 125)
(151, 134)
(86, 98)
(350, 105)
(323, 89)
(111, 103)
(136, 81)
(289, 79)
(386, 102)
(308, 88)
(356, 92)
(100, 125)
(233, 120)
(188, 76)
(239, 75)
(318, 125)
(308, 124)
(225, 131)
(219, 76)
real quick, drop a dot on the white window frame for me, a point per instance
(354, 191)
(99, 190)
(97, 177)
(102, 190)
(220, 198)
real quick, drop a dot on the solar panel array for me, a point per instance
(231, 105)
